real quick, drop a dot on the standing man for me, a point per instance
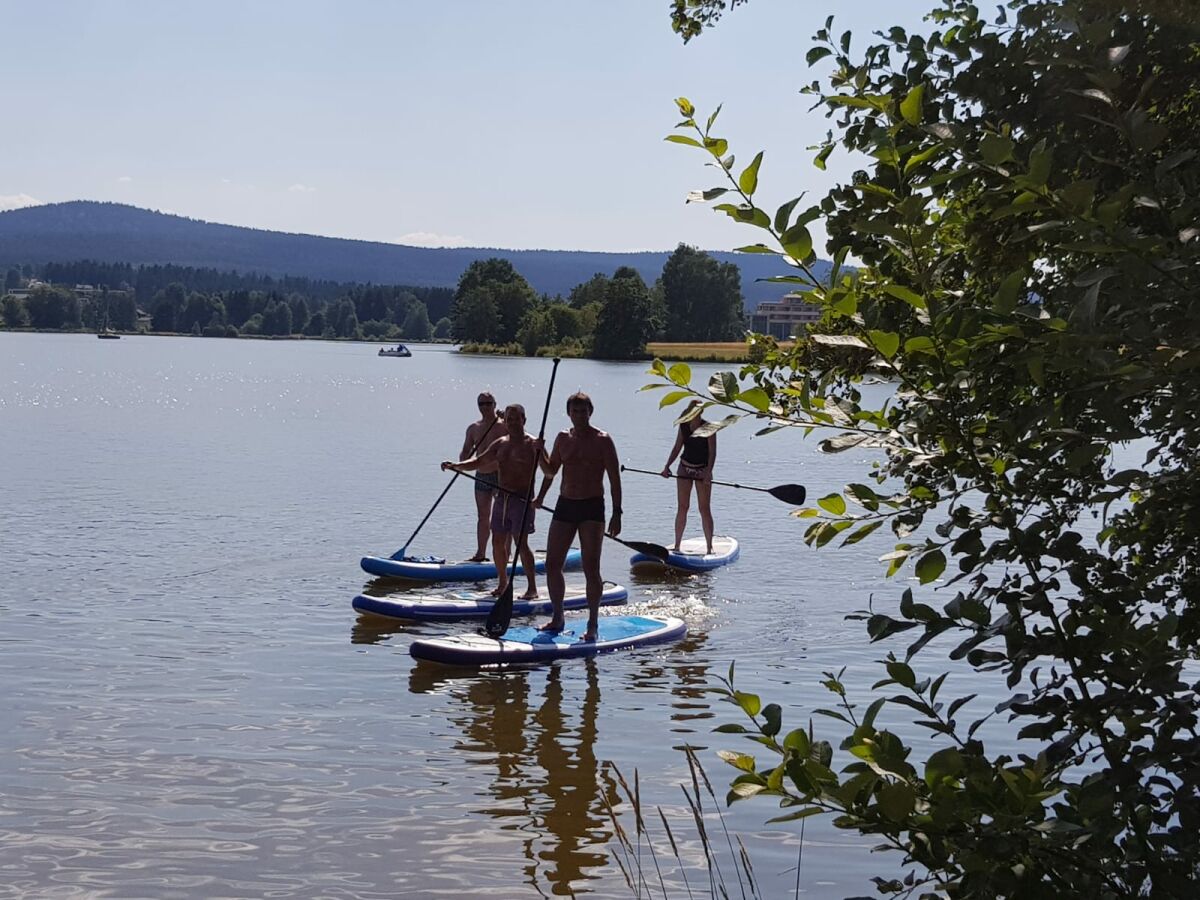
(481, 435)
(514, 458)
(585, 454)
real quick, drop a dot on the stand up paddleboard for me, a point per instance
(476, 604)
(690, 557)
(437, 569)
(526, 644)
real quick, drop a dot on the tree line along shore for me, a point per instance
(695, 308)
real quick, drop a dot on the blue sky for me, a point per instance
(531, 124)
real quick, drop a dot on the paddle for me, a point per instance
(657, 550)
(402, 552)
(501, 612)
(792, 494)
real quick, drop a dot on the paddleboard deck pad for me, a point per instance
(466, 604)
(423, 569)
(525, 644)
(690, 557)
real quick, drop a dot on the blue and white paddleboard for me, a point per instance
(426, 569)
(690, 557)
(525, 644)
(463, 604)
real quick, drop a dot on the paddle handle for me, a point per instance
(732, 484)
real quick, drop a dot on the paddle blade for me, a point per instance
(501, 613)
(656, 550)
(794, 494)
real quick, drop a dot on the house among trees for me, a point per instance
(783, 318)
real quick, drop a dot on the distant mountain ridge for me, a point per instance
(114, 232)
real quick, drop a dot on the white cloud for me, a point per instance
(301, 189)
(124, 179)
(17, 201)
(430, 239)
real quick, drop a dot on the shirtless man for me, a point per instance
(515, 457)
(585, 455)
(480, 435)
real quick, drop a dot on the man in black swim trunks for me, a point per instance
(585, 456)
(481, 435)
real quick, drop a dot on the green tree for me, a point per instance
(12, 311)
(594, 290)
(476, 317)
(626, 320)
(442, 330)
(416, 323)
(53, 307)
(509, 292)
(703, 297)
(12, 279)
(1028, 262)
(316, 324)
(168, 305)
(537, 330)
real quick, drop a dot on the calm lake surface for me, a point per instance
(190, 707)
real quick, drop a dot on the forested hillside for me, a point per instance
(115, 233)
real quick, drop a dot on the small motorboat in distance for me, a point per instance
(398, 350)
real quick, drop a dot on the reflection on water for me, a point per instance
(537, 729)
(189, 707)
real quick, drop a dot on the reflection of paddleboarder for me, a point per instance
(516, 457)
(585, 454)
(695, 467)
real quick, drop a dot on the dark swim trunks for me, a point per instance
(577, 511)
(485, 482)
(506, 515)
(693, 473)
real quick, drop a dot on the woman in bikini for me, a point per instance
(695, 467)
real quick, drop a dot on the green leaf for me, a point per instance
(886, 342)
(862, 532)
(658, 367)
(755, 248)
(680, 374)
(910, 107)
(749, 703)
(919, 344)
(774, 719)
(901, 673)
(756, 397)
(798, 814)
(816, 54)
(833, 503)
(906, 294)
(673, 397)
(797, 741)
(685, 107)
(995, 149)
(930, 566)
(897, 800)
(1005, 300)
(784, 213)
(819, 159)
(683, 139)
(716, 146)
(1040, 161)
(713, 427)
(797, 242)
(748, 180)
(723, 386)
(705, 196)
(716, 112)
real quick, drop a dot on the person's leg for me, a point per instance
(483, 527)
(704, 503)
(500, 542)
(558, 542)
(683, 495)
(529, 563)
(591, 542)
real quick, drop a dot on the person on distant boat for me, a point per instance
(585, 454)
(481, 435)
(695, 467)
(515, 457)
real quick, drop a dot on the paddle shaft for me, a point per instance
(640, 546)
(501, 613)
(732, 484)
(445, 490)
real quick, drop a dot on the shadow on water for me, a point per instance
(548, 785)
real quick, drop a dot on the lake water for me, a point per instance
(190, 707)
